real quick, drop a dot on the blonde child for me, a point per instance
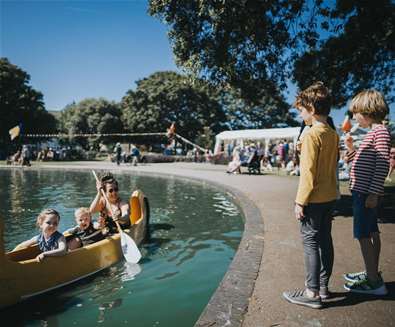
(84, 233)
(369, 168)
(50, 241)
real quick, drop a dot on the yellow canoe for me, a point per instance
(21, 276)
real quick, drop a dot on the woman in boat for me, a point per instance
(120, 208)
(51, 242)
(84, 232)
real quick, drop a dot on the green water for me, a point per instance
(195, 232)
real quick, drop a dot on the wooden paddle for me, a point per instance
(129, 248)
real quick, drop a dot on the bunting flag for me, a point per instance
(15, 131)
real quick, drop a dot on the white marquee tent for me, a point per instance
(262, 135)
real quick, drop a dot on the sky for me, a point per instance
(74, 50)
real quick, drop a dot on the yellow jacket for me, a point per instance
(318, 161)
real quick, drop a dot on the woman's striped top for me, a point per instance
(370, 163)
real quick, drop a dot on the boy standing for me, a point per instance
(316, 195)
(370, 164)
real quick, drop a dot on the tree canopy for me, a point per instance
(92, 116)
(20, 103)
(256, 47)
(361, 56)
(167, 97)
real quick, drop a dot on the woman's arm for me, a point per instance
(125, 213)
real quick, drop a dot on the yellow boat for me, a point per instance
(21, 276)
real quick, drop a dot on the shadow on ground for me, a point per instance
(343, 299)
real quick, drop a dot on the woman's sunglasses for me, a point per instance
(113, 190)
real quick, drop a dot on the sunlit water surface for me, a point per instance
(195, 233)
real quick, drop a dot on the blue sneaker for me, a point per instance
(355, 277)
(367, 287)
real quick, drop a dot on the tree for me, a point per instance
(92, 116)
(245, 44)
(20, 103)
(268, 112)
(167, 97)
(255, 47)
(360, 56)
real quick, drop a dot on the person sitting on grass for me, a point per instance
(316, 195)
(84, 233)
(370, 165)
(51, 242)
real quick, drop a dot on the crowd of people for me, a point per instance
(278, 155)
(24, 155)
(51, 242)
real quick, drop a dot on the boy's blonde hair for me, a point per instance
(370, 103)
(44, 213)
(316, 97)
(81, 211)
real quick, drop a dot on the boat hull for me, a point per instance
(21, 279)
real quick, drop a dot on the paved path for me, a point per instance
(282, 262)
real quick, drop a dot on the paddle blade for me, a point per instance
(129, 249)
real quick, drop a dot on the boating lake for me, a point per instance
(195, 231)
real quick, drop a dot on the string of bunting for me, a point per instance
(91, 135)
(114, 134)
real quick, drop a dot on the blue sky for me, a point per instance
(79, 49)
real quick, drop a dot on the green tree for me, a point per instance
(359, 54)
(167, 97)
(268, 112)
(256, 47)
(20, 103)
(245, 44)
(92, 116)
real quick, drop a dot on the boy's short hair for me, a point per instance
(315, 97)
(370, 103)
(81, 211)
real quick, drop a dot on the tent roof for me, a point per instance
(259, 134)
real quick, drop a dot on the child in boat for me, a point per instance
(120, 209)
(84, 233)
(50, 241)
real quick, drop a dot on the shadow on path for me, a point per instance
(344, 299)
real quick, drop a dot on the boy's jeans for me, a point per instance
(315, 229)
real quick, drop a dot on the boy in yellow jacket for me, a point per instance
(316, 195)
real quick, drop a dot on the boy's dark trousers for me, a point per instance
(316, 228)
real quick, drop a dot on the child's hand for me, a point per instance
(371, 201)
(40, 257)
(299, 211)
(349, 142)
(101, 221)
